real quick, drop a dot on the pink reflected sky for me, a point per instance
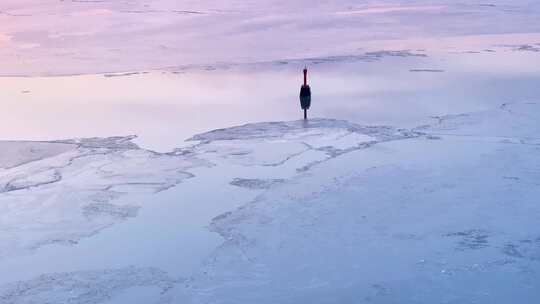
(212, 64)
(65, 37)
(164, 108)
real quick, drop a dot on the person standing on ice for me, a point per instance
(305, 95)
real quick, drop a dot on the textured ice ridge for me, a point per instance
(269, 130)
(304, 143)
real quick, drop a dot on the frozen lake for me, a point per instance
(415, 180)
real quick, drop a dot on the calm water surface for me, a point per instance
(165, 108)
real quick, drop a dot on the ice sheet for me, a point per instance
(445, 211)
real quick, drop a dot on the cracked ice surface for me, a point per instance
(58, 199)
(509, 122)
(58, 195)
(275, 143)
(450, 220)
(85, 286)
(84, 178)
(335, 212)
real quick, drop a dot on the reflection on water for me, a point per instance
(165, 108)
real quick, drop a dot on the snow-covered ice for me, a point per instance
(62, 191)
(86, 286)
(336, 212)
(426, 220)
